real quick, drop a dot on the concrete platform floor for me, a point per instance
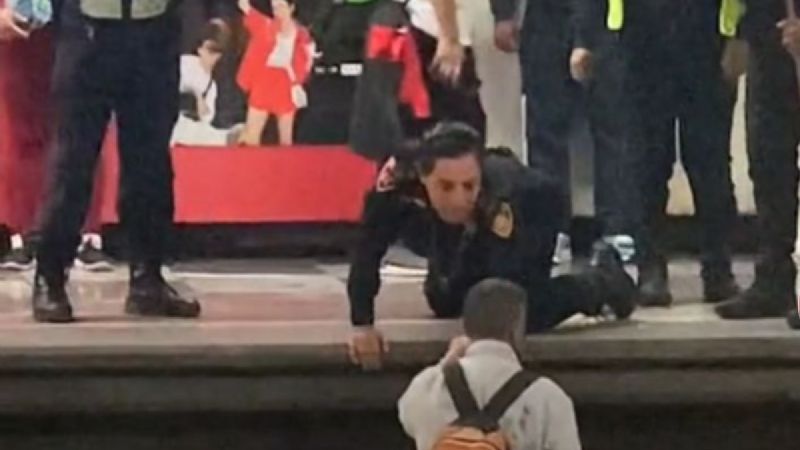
(273, 301)
(273, 333)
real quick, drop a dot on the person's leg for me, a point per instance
(609, 104)
(648, 41)
(286, 128)
(254, 127)
(551, 97)
(81, 78)
(90, 255)
(147, 106)
(501, 82)
(773, 133)
(27, 107)
(706, 120)
(602, 288)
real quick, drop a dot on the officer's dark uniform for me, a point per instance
(675, 52)
(773, 133)
(514, 237)
(551, 29)
(120, 57)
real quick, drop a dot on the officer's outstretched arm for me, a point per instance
(383, 217)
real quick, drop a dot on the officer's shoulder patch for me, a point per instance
(503, 222)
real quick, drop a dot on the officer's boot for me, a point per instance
(771, 295)
(50, 298)
(151, 295)
(619, 288)
(719, 284)
(654, 284)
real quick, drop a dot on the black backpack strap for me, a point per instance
(456, 383)
(508, 394)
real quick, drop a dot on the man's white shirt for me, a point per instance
(542, 418)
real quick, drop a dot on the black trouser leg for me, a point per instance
(551, 96)
(82, 81)
(706, 118)
(615, 190)
(773, 133)
(146, 111)
(654, 158)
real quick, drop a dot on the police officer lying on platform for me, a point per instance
(485, 215)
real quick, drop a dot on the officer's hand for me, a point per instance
(506, 36)
(448, 60)
(245, 6)
(457, 349)
(580, 65)
(791, 35)
(734, 60)
(367, 348)
(12, 25)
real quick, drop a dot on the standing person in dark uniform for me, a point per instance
(487, 216)
(571, 58)
(773, 133)
(675, 51)
(121, 57)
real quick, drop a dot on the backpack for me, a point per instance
(476, 428)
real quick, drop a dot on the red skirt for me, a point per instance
(272, 92)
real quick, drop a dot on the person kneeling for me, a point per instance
(485, 215)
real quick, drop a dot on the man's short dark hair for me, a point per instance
(447, 140)
(493, 309)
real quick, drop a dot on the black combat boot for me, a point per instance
(654, 285)
(771, 295)
(794, 319)
(719, 284)
(151, 295)
(620, 290)
(50, 298)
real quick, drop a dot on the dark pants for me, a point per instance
(552, 100)
(550, 302)
(448, 103)
(130, 70)
(675, 52)
(773, 133)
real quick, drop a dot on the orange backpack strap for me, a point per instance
(508, 394)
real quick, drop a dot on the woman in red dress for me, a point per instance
(276, 64)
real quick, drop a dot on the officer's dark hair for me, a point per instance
(494, 309)
(447, 140)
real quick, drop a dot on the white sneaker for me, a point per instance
(563, 251)
(624, 245)
(90, 255)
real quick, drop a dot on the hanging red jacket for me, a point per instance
(392, 76)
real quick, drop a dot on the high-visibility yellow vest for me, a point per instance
(616, 15)
(730, 13)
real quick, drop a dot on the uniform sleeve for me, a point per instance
(383, 218)
(504, 9)
(255, 21)
(587, 21)
(561, 429)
